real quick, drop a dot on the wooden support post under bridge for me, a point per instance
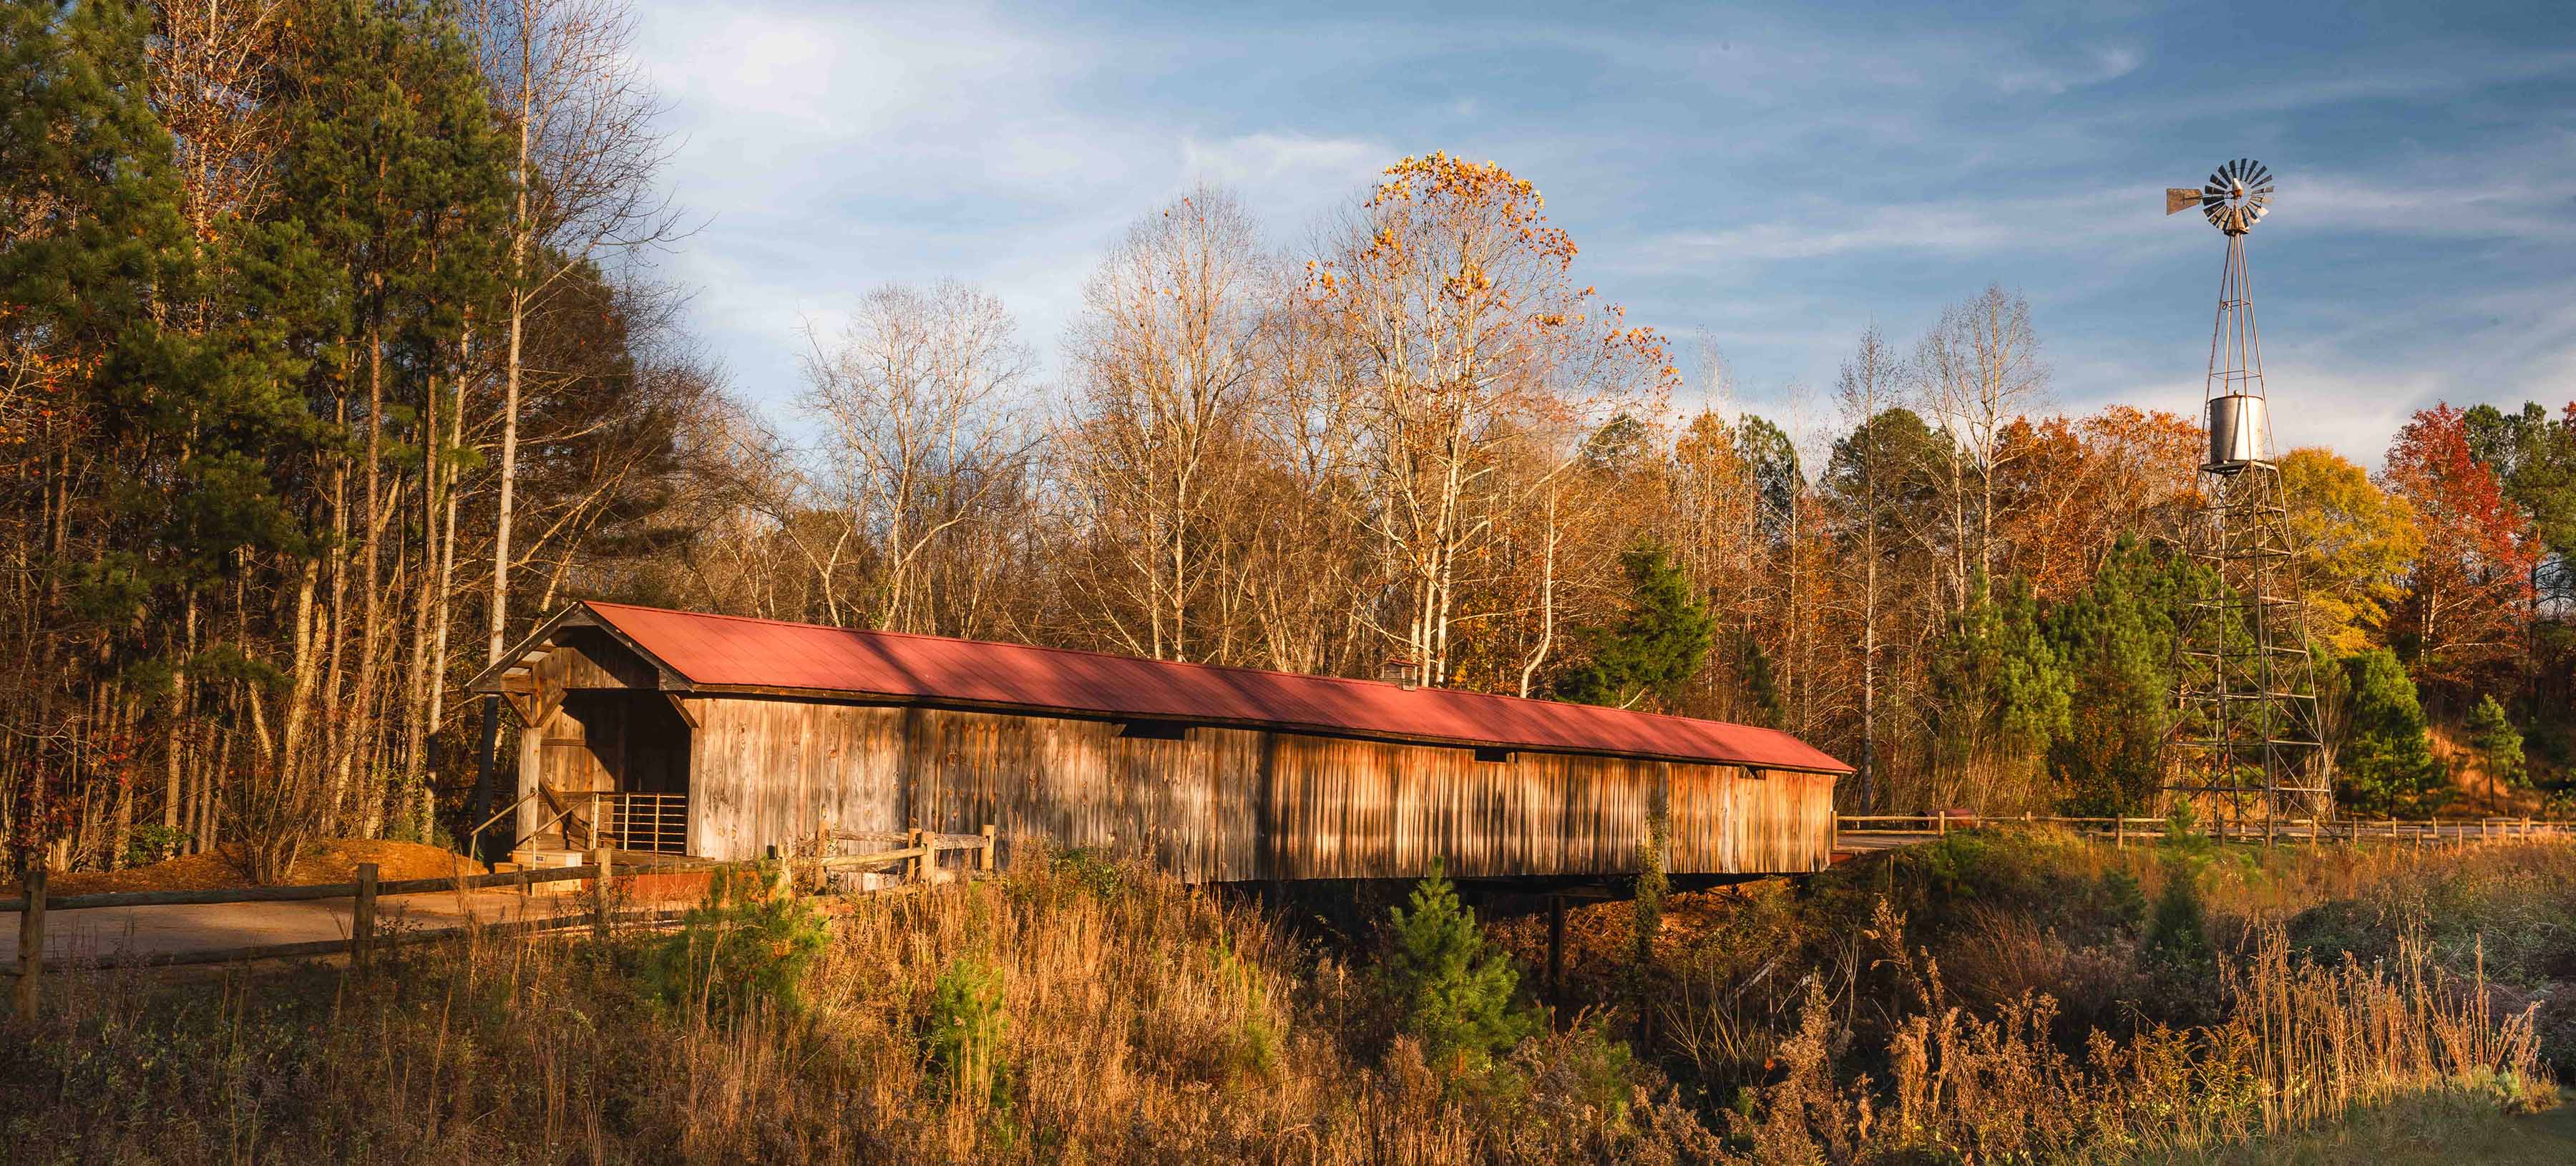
(31, 943)
(362, 918)
(1556, 943)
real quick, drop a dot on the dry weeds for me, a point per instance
(1143, 1021)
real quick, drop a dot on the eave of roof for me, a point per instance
(708, 654)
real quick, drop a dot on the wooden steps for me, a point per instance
(542, 859)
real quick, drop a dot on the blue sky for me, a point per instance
(1765, 179)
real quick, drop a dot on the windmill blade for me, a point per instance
(2237, 195)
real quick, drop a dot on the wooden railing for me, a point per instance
(916, 859)
(2421, 831)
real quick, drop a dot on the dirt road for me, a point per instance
(107, 933)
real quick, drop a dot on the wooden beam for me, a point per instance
(533, 708)
(545, 703)
(680, 705)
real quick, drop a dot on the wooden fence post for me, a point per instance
(362, 918)
(920, 862)
(31, 941)
(988, 847)
(2119, 832)
(605, 857)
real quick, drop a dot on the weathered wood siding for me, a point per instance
(1228, 804)
(770, 772)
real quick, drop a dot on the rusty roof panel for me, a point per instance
(734, 651)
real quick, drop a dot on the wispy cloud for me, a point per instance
(1768, 179)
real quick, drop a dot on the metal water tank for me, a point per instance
(2237, 428)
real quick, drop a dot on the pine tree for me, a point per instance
(2000, 697)
(2115, 640)
(2498, 743)
(396, 175)
(1451, 991)
(1761, 681)
(2386, 765)
(1655, 649)
(102, 251)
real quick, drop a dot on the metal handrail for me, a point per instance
(504, 811)
(523, 839)
(649, 822)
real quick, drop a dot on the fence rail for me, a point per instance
(918, 856)
(2422, 831)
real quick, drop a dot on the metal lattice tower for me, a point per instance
(2248, 730)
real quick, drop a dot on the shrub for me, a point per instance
(748, 942)
(1252, 1052)
(1092, 871)
(1451, 992)
(1646, 914)
(963, 1035)
(153, 842)
(2178, 930)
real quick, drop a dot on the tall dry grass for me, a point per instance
(1140, 1021)
(2301, 1042)
(1076, 1011)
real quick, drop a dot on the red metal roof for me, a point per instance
(718, 651)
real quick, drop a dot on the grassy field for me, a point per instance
(2435, 1130)
(1997, 997)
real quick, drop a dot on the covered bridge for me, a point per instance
(720, 736)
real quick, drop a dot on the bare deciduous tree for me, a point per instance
(920, 396)
(1977, 371)
(1166, 356)
(565, 82)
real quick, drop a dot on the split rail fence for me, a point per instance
(919, 854)
(2420, 831)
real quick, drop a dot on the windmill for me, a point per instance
(2246, 688)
